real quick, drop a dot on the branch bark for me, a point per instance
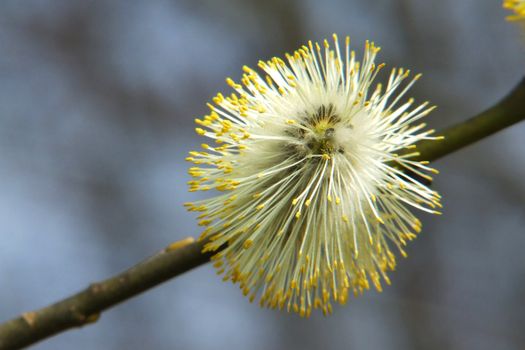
(509, 111)
(85, 307)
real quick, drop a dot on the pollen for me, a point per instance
(518, 9)
(313, 171)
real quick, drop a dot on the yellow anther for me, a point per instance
(417, 226)
(205, 222)
(293, 284)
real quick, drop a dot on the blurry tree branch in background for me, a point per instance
(85, 307)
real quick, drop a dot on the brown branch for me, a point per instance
(509, 111)
(85, 307)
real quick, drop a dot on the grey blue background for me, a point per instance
(97, 101)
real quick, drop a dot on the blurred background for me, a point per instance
(97, 101)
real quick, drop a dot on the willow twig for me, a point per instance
(85, 307)
(509, 111)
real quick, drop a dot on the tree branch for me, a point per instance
(85, 307)
(509, 111)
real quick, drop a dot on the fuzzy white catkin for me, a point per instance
(313, 163)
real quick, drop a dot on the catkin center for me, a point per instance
(314, 134)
